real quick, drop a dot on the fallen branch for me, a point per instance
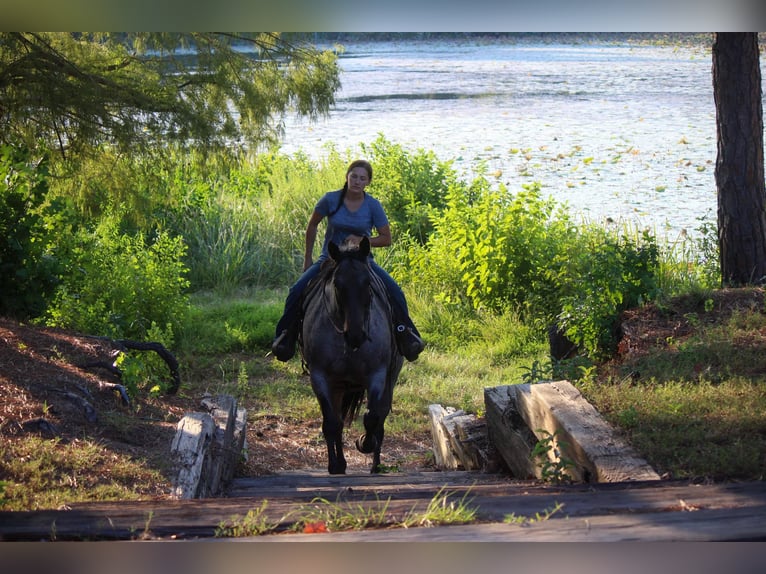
(164, 354)
(126, 344)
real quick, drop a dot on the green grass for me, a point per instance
(50, 473)
(691, 429)
(694, 406)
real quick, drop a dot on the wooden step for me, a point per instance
(649, 510)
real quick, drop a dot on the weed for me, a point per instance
(553, 469)
(324, 515)
(254, 523)
(536, 373)
(442, 510)
(243, 385)
(546, 514)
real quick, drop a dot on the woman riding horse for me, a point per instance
(352, 214)
(349, 348)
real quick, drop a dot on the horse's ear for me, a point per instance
(334, 251)
(364, 246)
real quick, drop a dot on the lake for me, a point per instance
(622, 132)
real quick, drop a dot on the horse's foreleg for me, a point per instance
(333, 435)
(332, 426)
(378, 407)
(375, 468)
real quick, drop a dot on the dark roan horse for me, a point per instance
(348, 346)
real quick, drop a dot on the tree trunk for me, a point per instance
(739, 170)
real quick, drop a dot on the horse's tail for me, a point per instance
(352, 404)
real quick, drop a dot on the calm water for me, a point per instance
(620, 132)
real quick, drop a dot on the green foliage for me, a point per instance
(119, 285)
(255, 523)
(28, 268)
(554, 467)
(691, 262)
(489, 247)
(65, 472)
(411, 185)
(596, 277)
(494, 251)
(323, 515)
(234, 325)
(146, 371)
(145, 89)
(546, 514)
(443, 509)
(246, 227)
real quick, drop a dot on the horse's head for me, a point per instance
(351, 281)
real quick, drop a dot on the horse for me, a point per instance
(348, 347)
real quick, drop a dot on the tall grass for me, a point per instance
(248, 229)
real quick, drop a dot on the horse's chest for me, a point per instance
(350, 366)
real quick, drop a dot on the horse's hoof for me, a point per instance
(366, 444)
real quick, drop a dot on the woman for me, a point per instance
(351, 215)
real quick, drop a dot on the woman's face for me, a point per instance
(357, 179)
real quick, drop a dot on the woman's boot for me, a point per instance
(408, 341)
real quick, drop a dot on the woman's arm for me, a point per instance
(311, 235)
(382, 239)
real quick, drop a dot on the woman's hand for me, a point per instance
(353, 241)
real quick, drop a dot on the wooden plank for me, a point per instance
(742, 524)
(509, 433)
(301, 483)
(494, 499)
(582, 434)
(190, 453)
(460, 440)
(444, 456)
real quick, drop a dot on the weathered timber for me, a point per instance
(444, 457)
(651, 510)
(207, 446)
(741, 524)
(460, 441)
(190, 452)
(509, 433)
(557, 409)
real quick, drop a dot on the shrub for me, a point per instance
(412, 186)
(119, 285)
(596, 278)
(495, 251)
(28, 269)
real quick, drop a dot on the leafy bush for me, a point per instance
(491, 249)
(496, 251)
(411, 185)
(119, 285)
(598, 276)
(28, 269)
